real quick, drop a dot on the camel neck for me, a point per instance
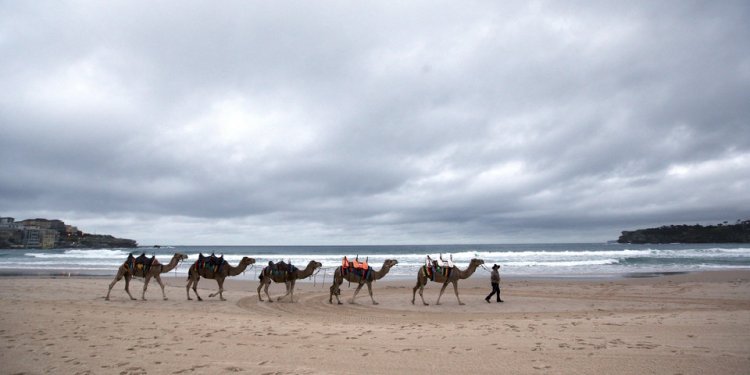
(234, 271)
(379, 274)
(170, 266)
(467, 272)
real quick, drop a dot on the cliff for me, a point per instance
(90, 241)
(720, 233)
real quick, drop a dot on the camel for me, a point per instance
(288, 278)
(338, 278)
(453, 277)
(224, 269)
(154, 271)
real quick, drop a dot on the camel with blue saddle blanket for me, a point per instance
(357, 273)
(284, 273)
(143, 266)
(213, 267)
(444, 275)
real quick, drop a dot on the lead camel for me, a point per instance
(452, 277)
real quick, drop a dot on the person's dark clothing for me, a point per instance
(495, 279)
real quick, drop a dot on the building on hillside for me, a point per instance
(57, 225)
(39, 238)
(49, 238)
(72, 231)
(9, 223)
(32, 237)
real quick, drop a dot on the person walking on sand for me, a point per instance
(495, 279)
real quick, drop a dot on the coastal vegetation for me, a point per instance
(719, 233)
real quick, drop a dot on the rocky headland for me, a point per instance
(720, 233)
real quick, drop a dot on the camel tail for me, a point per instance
(190, 273)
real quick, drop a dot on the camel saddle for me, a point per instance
(436, 269)
(212, 262)
(141, 263)
(345, 263)
(280, 268)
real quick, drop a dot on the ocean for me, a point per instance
(582, 260)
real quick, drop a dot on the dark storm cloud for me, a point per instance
(424, 122)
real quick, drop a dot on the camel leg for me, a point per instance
(112, 284)
(187, 287)
(369, 289)
(260, 285)
(289, 291)
(286, 284)
(441, 293)
(145, 285)
(421, 281)
(266, 290)
(455, 289)
(414, 292)
(221, 289)
(335, 291)
(195, 288)
(421, 293)
(420, 286)
(161, 284)
(356, 291)
(127, 286)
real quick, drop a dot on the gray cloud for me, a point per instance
(302, 123)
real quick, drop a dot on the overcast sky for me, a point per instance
(419, 122)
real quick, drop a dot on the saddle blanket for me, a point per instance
(359, 272)
(212, 262)
(432, 271)
(277, 269)
(142, 263)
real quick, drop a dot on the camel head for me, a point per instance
(476, 262)
(247, 261)
(180, 257)
(315, 265)
(390, 263)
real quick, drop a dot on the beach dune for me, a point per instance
(680, 324)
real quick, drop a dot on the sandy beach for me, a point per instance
(681, 324)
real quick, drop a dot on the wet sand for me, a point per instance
(696, 323)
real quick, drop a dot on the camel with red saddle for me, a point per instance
(360, 273)
(443, 275)
(147, 268)
(284, 273)
(213, 267)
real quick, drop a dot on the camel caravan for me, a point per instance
(442, 271)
